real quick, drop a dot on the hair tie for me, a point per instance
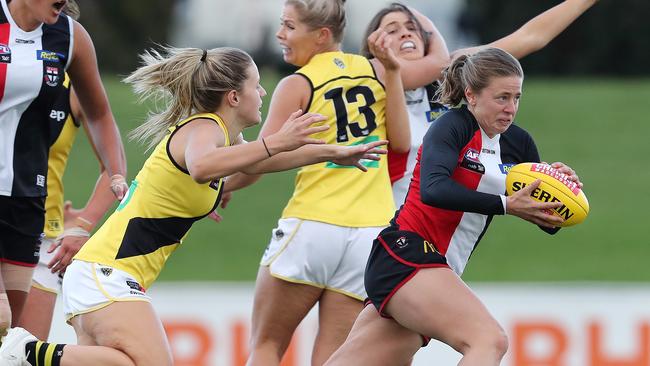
(205, 54)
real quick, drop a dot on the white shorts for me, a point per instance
(323, 255)
(43, 278)
(90, 286)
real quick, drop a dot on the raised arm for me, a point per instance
(424, 71)
(537, 32)
(398, 130)
(101, 125)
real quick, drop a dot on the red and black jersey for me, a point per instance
(32, 71)
(459, 183)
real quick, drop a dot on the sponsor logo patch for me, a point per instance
(505, 168)
(40, 180)
(339, 63)
(429, 247)
(57, 115)
(48, 56)
(134, 285)
(24, 41)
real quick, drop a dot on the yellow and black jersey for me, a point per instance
(64, 129)
(151, 221)
(346, 90)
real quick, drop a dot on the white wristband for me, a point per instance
(503, 201)
(73, 231)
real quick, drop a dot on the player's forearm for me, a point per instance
(539, 31)
(398, 130)
(239, 181)
(305, 155)
(101, 200)
(106, 138)
(418, 73)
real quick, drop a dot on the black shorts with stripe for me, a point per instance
(21, 226)
(396, 257)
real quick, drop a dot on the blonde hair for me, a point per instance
(72, 9)
(188, 80)
(474, 72)
(322, 14)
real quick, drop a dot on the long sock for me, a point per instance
(44, 354)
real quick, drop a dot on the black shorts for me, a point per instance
(396, 257)
(21, 227)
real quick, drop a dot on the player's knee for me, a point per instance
(491, 339)
(499, 342)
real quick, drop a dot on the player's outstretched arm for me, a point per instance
(207, 159)
(537, 32)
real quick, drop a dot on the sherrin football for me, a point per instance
(555, 186)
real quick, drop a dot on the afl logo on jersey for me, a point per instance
(5, 54)
(471, 161)
(472, 155)
(339, 63)
(51, 75)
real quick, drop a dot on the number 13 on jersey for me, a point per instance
(361, 95)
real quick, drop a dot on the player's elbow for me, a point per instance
(253, 169)
(199, 172)
(400, 147)
(431, 198)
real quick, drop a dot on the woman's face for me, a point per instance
(297, 40)
(496, 105)
(46, 11)
(250, 97)
(405, 35)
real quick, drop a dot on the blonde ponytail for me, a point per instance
(187, 81)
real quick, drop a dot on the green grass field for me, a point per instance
(599, 127)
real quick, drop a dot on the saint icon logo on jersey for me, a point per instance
(51, 76)
(401, 242)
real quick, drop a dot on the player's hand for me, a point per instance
(354, 154)
(66, 246)
(214, 215)
(70, 213)
(520, 204)
(119, 186)
(379, 44)
(5, 314)
(570, 173)
(295, 132)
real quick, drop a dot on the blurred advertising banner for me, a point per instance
(208, 324)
